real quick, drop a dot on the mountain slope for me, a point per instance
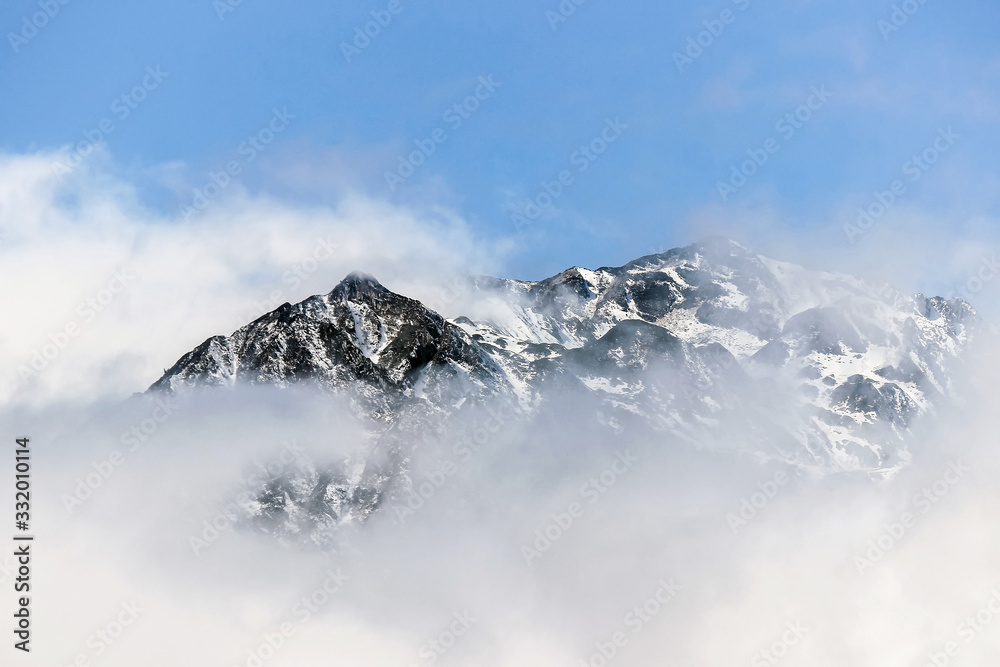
(710, 343)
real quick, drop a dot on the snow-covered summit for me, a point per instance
(816, 368)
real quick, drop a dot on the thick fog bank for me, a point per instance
(510, 542)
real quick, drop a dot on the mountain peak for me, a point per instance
(702, 314)
(815, 375)
(357, 283)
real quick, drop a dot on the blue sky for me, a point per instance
(559, 83)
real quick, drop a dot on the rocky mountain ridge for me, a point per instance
(710, 342)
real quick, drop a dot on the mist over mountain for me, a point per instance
(710, 346)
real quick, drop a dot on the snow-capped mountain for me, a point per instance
(360, 338)
(709, 343)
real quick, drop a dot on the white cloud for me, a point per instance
(130, 541)
(64, 241)
(806, 557)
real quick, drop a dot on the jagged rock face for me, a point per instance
(705, 342)
(360, 338)
(859, 363)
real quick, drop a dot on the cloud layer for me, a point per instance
(110, 292)
(550, 544)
